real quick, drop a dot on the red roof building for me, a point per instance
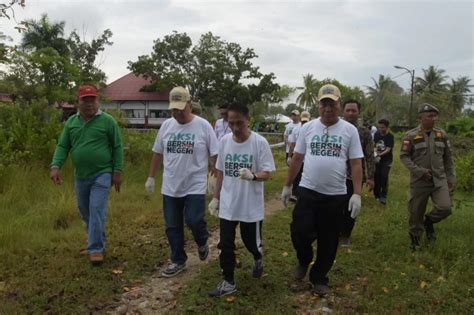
(141, 109)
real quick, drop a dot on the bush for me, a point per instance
(462, 127)
(465, 171)
(28, 133)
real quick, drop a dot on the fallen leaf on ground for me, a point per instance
(421, 266)
(348, 286)
(285, 254)
(349, 250)
(126, 289)
(117, 271)
(423, 284)
(440, 279)
(386, 290)
(403, 274)
(231, 299)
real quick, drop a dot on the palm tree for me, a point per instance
(379, 92)
(43, 34)
(309, 96)
(432, 82)
(456, 91)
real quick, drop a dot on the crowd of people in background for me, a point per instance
(329, 159)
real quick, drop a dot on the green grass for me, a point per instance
(379, 274)
(41, 270)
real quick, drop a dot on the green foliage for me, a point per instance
(213, 70)
(28, 134)
(465, 171)
(462, 127)
(49, 65)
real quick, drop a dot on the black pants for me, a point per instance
(317, 216)
(382, 169)
(296, 182)
(251, 234)
(347, 221)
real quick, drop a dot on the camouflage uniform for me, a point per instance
(368, 165)
(420, 152)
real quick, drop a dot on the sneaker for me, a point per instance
(383, 200)
(173, 269)
(300, 272)
(429, 229)
(96, 258)
(345, 241)
(203, 252)
(293, 199)
(415, 242)
(320, 289)
(257, 269)
(224, 288)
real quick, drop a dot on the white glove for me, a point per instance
(246, 174)
(288, 161)
(214, 207)
(150, 184)
(354, 205)
(285, 195)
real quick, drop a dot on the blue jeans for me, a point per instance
(191, 209)
(92, 198)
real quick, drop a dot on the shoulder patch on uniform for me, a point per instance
(439, 134)
(418, 136)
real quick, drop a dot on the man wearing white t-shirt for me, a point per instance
(185, 144)
(221, 127)
(325, 144)
(295, 117)
(244, 162)
(305, 117)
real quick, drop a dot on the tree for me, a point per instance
(52, 66)
(432, 82)
(457, 95)
(309, 97)
(214, 71)
(44, 34)
(291, 107)
(84, 55)
(380, 94)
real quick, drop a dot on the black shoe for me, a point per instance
(203, 252)
(383, 200)
(320, 289)
(429, 229)
(415, 242)
(257, 270)
(300, 272)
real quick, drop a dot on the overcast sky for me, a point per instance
(351, 41)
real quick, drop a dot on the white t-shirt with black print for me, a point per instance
(326, 151)
(242, 200)
(186, 149)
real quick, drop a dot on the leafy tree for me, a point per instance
(457, 95)
(380, 94)
(51, 66)
(309, 97)
(213, 70)
(44, 34)
(291, 107)
(84, 55)
(432, 82)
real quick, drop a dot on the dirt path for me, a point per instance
(157, 295)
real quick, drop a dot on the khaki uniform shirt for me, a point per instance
(421, 152)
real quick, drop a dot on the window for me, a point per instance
(160, 113)
(134, 113)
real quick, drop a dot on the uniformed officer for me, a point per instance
(426, 153)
